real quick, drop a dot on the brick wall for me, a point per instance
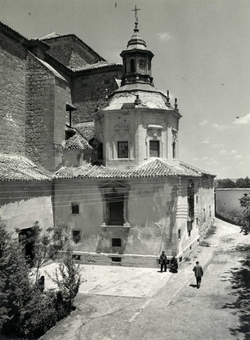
(62, 95)
(89, 91)
(46, 114)
(12, 95)
(70, 52)
(40, 111)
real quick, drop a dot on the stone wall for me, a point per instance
(46, 114)
(228, 204)
(12, 95)
(40, 113)
(89, 91)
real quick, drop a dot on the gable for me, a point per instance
(70, 51)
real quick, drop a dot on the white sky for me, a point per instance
(202, 55)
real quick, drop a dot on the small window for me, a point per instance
(204, 215)
(116, 259)
(116, 242)
(189, 227)
(179, 234)
(76, 257)
(197, 199)
(76, 236)
(197, 221)
(122, 149)
(174, 150)
(132, 65)
(154, 148)
(74, 208)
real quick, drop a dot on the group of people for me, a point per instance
(173, 264)
(173, 267)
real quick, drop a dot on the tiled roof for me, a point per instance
(149, 99)
(49, 67)
(50, 36)
(198, 170)
(155, 168)
(77, 142)
(20, 168)
(100, 64)
(86, 129)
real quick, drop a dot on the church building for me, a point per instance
(137, 198)
(95, 146)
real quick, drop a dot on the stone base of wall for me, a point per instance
(126, 260)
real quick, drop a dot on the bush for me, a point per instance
(68, 279)
(25, 310)
(244, 221)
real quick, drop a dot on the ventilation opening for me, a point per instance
(116, 259)
(116, 242)
(76, 257)
(180, 259)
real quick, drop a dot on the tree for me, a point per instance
(68, 278)
(225, 183)
(46, 245)
(25, 310)
(245, 219)
(15, 289)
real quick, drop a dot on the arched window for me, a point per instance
(174, 143)
(190, 199)
(132, 65)
(174, 150)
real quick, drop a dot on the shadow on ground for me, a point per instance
(240, 280)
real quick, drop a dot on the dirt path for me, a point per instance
(178, 310)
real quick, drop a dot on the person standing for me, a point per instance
(198, 272)
(163, 261)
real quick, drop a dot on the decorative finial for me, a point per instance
(138, 100)
(175, 104)
(168, 96)
(136, 17)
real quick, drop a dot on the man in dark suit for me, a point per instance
(163, 261)
(198, 272)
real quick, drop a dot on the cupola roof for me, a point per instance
(136, 41)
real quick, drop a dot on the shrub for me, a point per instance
(245, 219)
(25, 310)
(68, 279)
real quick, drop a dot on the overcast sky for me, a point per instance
(202, 55)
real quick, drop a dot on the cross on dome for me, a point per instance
(136, 16)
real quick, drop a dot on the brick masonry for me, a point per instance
(12, 95)
(71, 52)
(89, 91)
